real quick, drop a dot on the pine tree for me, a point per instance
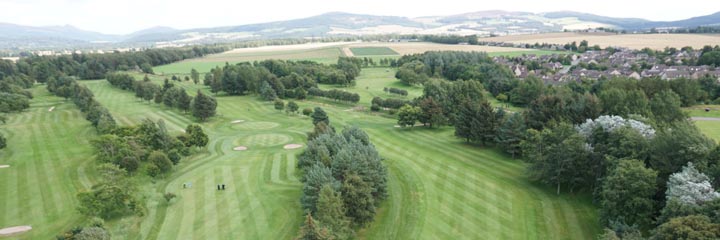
(203, 107)
(311, 231)
(485, 125)
(358, 199)
(464, 120)
(331, 213)
(195, 76)
(183, 101)
(510, 133)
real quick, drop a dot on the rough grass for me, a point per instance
(709, 128)
(48, 154)
(372, 51)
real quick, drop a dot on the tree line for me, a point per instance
(625, 141)
(343, 178)
(286, 79)
(201, 106)
(335, 94)
(125, 151)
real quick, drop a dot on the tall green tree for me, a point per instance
(408, 115)
(319, 115)
(665, 107)
(627, 194)
(3, 141)
(195, 75)
(558, 156)
(431, 112)
(183, 101)
(292, 107)
(331, 213)
(198, 137)
(203, 106)
(358, 199)
(511, 133)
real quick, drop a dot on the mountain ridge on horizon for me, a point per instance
(336, 23)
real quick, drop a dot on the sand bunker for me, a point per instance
(51, 109)
(292, 146)
(4, 166)
(237, 121)
(14, 230)
(240, 148)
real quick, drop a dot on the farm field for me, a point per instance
(372, 51)
(48, 158)
(328, 53)
(632, 41)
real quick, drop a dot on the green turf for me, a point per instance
(440, 188)
(699, 111)
(372, 51)
(710, 128)
(48, 154)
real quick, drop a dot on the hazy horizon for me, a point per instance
(134, 15)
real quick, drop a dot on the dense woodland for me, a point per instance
(344, 180)
(625, 141)
(285, 79)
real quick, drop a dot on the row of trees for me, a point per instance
(98, 115)
(13, 94)
(397, 91)
(335, 94)
(201, 106)
(95, 66)
(377, 103)
(286, 79)
(344, 180)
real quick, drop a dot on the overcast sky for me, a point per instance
(125, 16)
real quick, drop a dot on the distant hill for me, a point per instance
(14, 31)
(343, 24)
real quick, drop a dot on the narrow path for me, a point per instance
(705, 118)
(347, 52)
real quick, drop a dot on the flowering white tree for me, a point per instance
(612, 123)
(690, 186)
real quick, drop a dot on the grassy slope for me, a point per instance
(439, 186)
(48, 153)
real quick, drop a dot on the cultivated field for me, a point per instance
(633, 41)
(328, 53)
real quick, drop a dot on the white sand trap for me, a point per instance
(14, 230)
(238, 121)
(51, 109)
(292, 146)
(240, 148)
(4, 166)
